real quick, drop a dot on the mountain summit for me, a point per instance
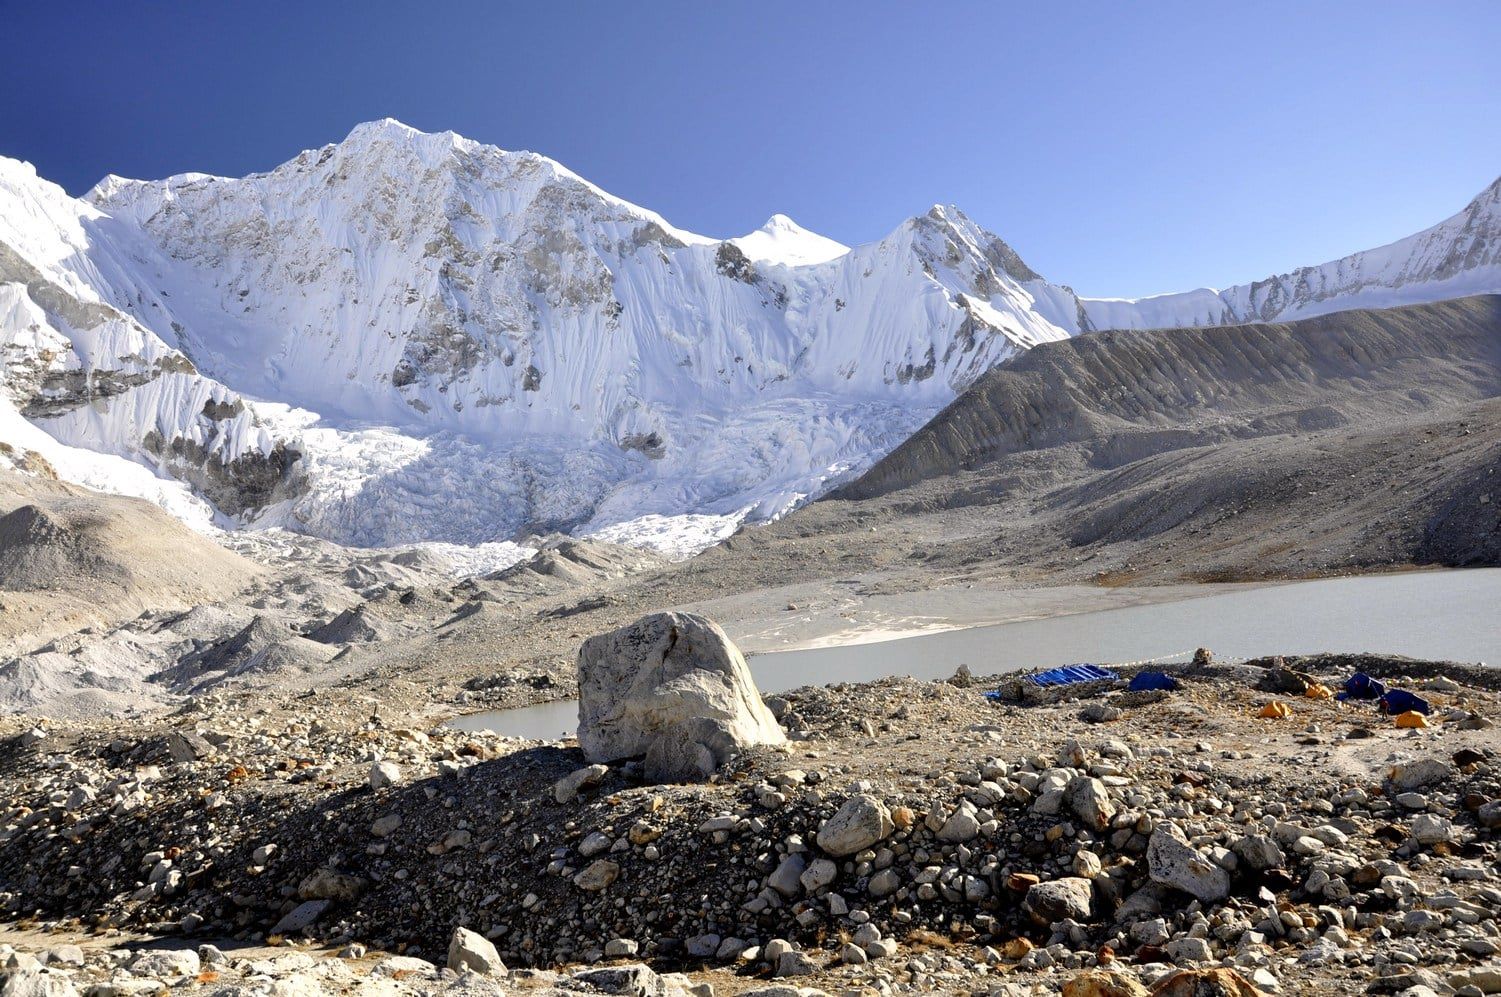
(782, 240)
(408, 336)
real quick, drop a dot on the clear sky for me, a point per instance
(1123, 148)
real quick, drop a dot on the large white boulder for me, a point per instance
(671, 687)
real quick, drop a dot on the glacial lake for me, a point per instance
(1439, 615)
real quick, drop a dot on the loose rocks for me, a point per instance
(1070, 897)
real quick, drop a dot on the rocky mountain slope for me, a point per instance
(915, 838)
(1125, 396)
(406, 337)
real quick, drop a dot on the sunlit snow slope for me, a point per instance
(411, 337)
(459, 342)
(1457, 257)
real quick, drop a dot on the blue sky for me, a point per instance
(1123, 148)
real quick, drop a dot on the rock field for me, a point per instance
(911, 837)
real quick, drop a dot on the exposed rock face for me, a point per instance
(94, 376)
(238, 485)
(674, 688)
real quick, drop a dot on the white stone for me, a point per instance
(1088, 798)
(597, 875)
(166, 963)
(818, 874)
(383, 774)
(1420, 773)
(1430, 829)
(862, 821)
(474, 952)
(300, 917)
(672, 687)
(1174, 862)
(36, 982)
(961, 826)
(579, 779)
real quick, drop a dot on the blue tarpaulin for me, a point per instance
(1152, 681)
(1071, 674)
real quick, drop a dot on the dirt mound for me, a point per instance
(97, 678)
(358, 624)
(263, 650)
(39, 550)
(70, 557)
(568, 562)
(1465, 528)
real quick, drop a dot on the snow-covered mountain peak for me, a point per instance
(1488, 199)
(390, 129)
(541, 352)
(386, 138)
(783, 241)
(946, 222)
(390, 149)
(409, 336)
(1460, 255)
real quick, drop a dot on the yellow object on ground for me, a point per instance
(1276, 711)
(1412, 718)
(1319, 691)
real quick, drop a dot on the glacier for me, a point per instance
(407, 337)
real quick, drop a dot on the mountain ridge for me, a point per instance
(406, 336)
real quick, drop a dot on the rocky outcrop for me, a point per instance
(91, 375)
(672, 687)
(239, 485)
